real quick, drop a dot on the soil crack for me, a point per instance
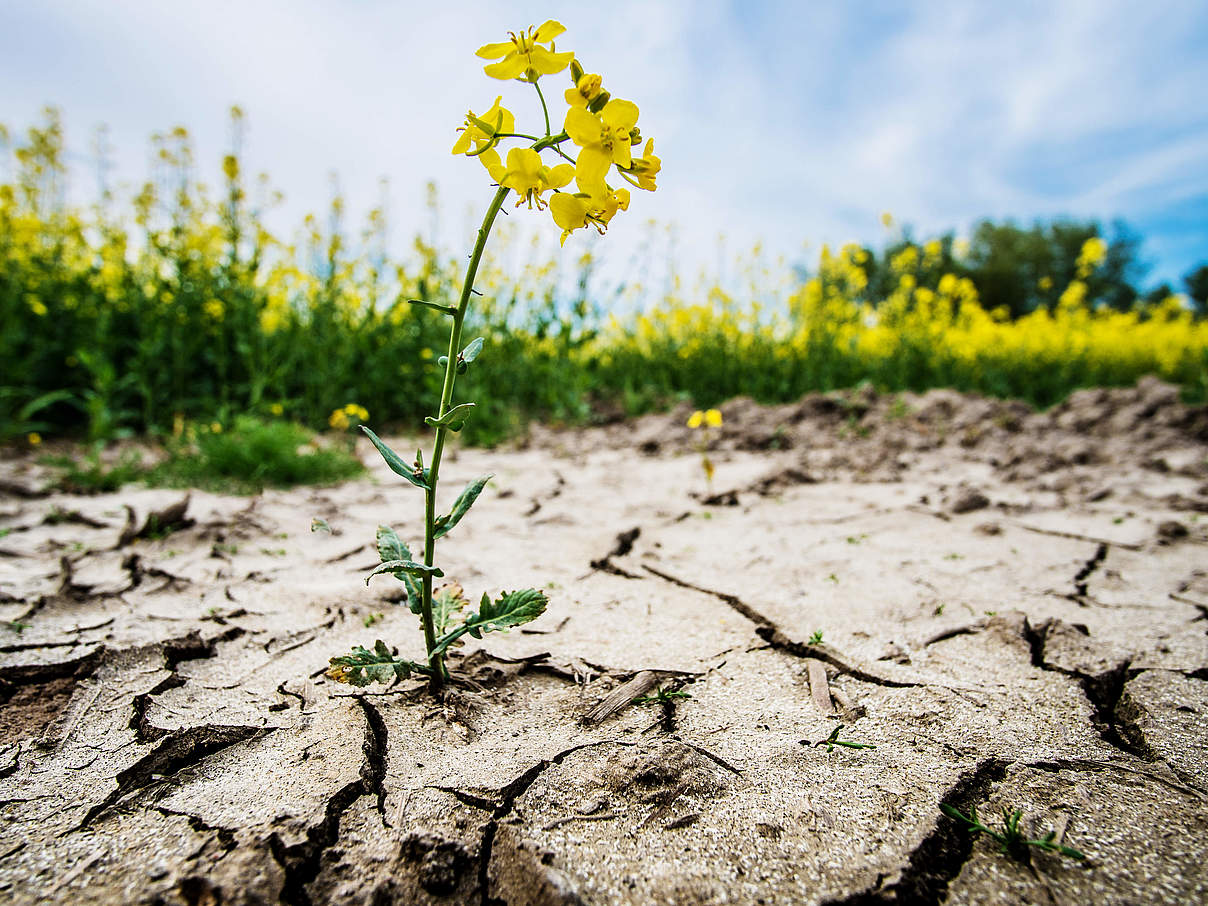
(941, 854)
(623, 546)
(772, 634)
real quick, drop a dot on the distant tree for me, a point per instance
(1022, 269)
(1196, 281)
(1159, 293)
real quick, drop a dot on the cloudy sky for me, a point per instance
(782, 122)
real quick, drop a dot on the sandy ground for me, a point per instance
(1013, 608)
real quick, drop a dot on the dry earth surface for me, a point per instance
(1013, 607)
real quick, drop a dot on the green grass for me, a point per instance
(252, 455)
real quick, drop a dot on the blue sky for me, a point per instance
(781, 122)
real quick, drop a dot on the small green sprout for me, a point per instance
(939, 610)
(856, 539)
(16, 626)
(833, 578)
(661, 696)
(815, 638)
(372, 618)
(833, 740)
(1011, 840)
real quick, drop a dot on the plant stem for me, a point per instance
(436, 659)
(544, 109)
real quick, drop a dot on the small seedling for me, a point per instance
(603, 129)
(954, 556)
(703, 421)
(939, 610)
(16, 626)
(856, 539)
(833, 740)
(373, 618)
(833, 578)
(815, 638)
(320, 525)
(1011, 840)
(661, 696)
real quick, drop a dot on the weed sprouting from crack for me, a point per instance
(661, 696)
(833, 740)
(1011, 839)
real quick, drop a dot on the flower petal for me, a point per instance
(560, 176)
(569, 211)
(549, 30)
(507, 68)
(583, 127)
(620, 114)
(548, 63)
(591, 169)
(495, 51)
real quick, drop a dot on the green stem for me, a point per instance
(544, 109)
(435, 657)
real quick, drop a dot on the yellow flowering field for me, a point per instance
(180, 304)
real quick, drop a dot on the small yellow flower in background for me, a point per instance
(886, 220)
(710, 418)
(338, 420)
(214, 309)
(524, 56)
(216, 427)
(34, 438)
(1045, 283)
(276, 409)
(342, 419)
(352, 410)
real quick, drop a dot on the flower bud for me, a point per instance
(598, 104)
(576, 72)
(635, 136)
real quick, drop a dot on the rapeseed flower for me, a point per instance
(604, 139)
(524, 56)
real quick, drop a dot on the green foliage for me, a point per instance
(1011, 839)
(416, 474)
(461, 506)
(252, 455)
(362, 666)
(92, 474)
(391, 548)
(815, 638)
(661, 696)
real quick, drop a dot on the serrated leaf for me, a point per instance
(457, 413)
(391, 547)
(447, 601)
(512, 608)
(362, 666)
(396, 463)
(406, 566)
(461, 506)
(470, 353)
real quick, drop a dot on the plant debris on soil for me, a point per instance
(1006, 609)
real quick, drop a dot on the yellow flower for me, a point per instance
(713, 418)
(605, 140)
(646, 167)
(215, 309)
(339, 420)
(480, 131)
(529, 177)
(586, 90)
(216, 427)
(524, 55)
(34, 438)
(276, 409)
(571, 212)
(696, 419)
(352, 410)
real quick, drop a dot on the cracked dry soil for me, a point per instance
(1014, 609)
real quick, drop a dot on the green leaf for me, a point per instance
(470, 353)
(461, 506)
(406, 566)
(362, 666)
(435, 306)
(457, 413)
(390, 547)
(319, 525)
(512, 608)
(397, 466)
(447, 601)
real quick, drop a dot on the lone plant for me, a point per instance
(604, 129)
(833, 740)
(1011, 840)
(703, 421)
